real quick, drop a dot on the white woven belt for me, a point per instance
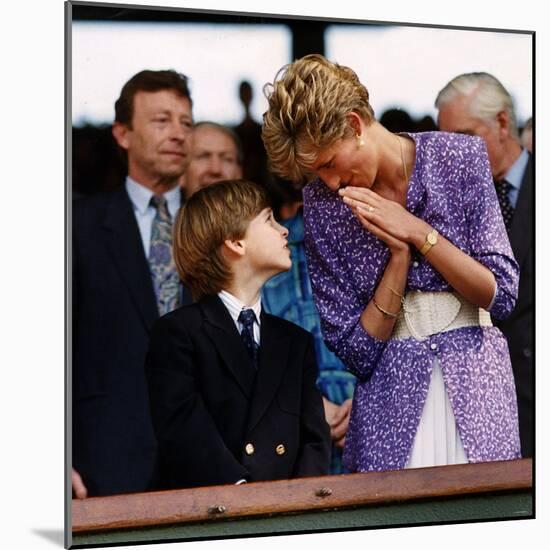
(427, 313)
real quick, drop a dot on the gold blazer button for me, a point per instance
(280, 449)
(249, 449)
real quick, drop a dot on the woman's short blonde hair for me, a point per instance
(213, 214)
(308, 103)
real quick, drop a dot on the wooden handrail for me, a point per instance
(298, 495)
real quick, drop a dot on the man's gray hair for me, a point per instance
(489, 97)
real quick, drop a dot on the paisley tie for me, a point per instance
(163, 270)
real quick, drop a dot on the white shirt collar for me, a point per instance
(235, 306)
(141, 197)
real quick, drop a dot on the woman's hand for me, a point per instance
(387, 216)
(361, 210)
(396, 246)
(389, 221)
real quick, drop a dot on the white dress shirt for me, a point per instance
(140, 196)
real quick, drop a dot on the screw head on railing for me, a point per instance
(214, 510)
(323, 492)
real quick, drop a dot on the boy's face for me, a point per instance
(266, 245)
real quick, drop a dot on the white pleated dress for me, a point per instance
(437, 441)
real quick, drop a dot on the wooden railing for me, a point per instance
(186, 506)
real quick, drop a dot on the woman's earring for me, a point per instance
(360, 141)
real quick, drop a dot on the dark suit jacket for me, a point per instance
(219, 420)
(518, 328)
(114, 308)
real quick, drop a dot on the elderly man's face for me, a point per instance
(214, 157)
(455, 117)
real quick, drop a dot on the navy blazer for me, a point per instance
(217, 418)
(114, 308)
(518, 327)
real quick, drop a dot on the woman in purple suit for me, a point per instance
(409, 258)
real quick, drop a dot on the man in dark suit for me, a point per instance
(123, 278)
(232, 389)
(478, 104)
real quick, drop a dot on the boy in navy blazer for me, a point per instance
(232, 388)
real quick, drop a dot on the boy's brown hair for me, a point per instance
(212, 215)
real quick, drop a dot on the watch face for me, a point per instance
(432, 239)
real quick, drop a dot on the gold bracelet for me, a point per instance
(384, 312)
(397, 293)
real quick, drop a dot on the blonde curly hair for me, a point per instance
(308, 103)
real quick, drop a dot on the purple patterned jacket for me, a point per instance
(451, 188)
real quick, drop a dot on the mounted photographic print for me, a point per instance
(302, 274)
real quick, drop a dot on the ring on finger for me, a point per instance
(370, 208)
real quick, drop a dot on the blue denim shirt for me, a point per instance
(289, 295)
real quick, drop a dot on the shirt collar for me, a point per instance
(141, 197)
(514, 176)
(235, 306)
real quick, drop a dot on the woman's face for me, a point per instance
(347, 162)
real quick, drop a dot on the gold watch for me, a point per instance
(431, 240)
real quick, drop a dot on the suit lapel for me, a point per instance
(122, 239)
(223, 333)
(274, 350)
(521, 232)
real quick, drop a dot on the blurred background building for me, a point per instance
(403, 67)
